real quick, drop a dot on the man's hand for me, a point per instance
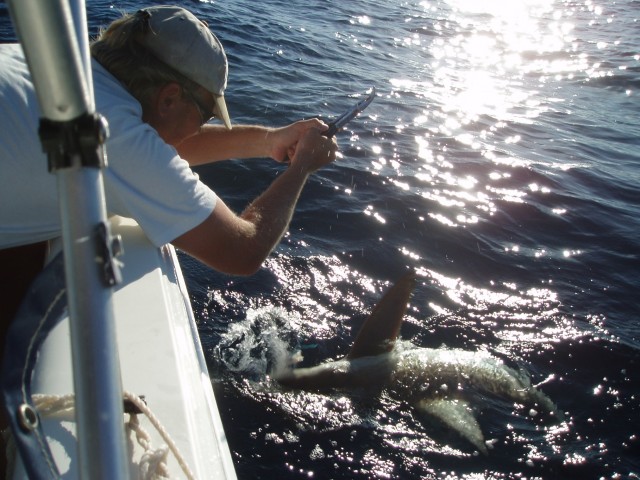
(313, 151)
(284, 141)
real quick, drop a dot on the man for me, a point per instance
(159, 75)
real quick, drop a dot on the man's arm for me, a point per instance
(238, 244)
(214, 142)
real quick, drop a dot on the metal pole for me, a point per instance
(57, 55)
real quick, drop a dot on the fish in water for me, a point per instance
(439, 383)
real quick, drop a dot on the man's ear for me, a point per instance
(167, 98)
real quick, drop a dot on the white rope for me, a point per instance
(137, 401)
(153, 463)
(54, 405)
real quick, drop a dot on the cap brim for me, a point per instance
(221, 112)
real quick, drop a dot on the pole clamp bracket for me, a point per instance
(109, 247)
(74, 143)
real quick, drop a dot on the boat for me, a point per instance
(104, 375)
(161, 360)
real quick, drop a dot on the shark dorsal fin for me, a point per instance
(378, 333)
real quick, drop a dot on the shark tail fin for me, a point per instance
(378, 333)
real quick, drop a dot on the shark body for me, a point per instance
(439, 383)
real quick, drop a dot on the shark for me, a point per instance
(441, 383)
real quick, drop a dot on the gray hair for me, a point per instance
(117, 49)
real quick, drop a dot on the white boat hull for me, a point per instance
(160, 358)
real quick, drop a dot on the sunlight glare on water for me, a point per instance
(490, 164)
(479, 89)
(488, 74)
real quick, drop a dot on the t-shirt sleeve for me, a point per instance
(148, 181)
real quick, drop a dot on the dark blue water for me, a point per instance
(501, 161)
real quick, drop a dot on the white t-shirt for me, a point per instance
(145, 180)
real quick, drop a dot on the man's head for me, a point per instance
(165, 45)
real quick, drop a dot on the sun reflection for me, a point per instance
(525, 316)
(484, 63)
(371, 212)
(479, 70)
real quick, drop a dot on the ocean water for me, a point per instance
(501, 161)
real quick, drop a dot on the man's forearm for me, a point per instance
(239, 244)
(214, 143)
(272, 211)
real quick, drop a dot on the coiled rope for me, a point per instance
(153, 463)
